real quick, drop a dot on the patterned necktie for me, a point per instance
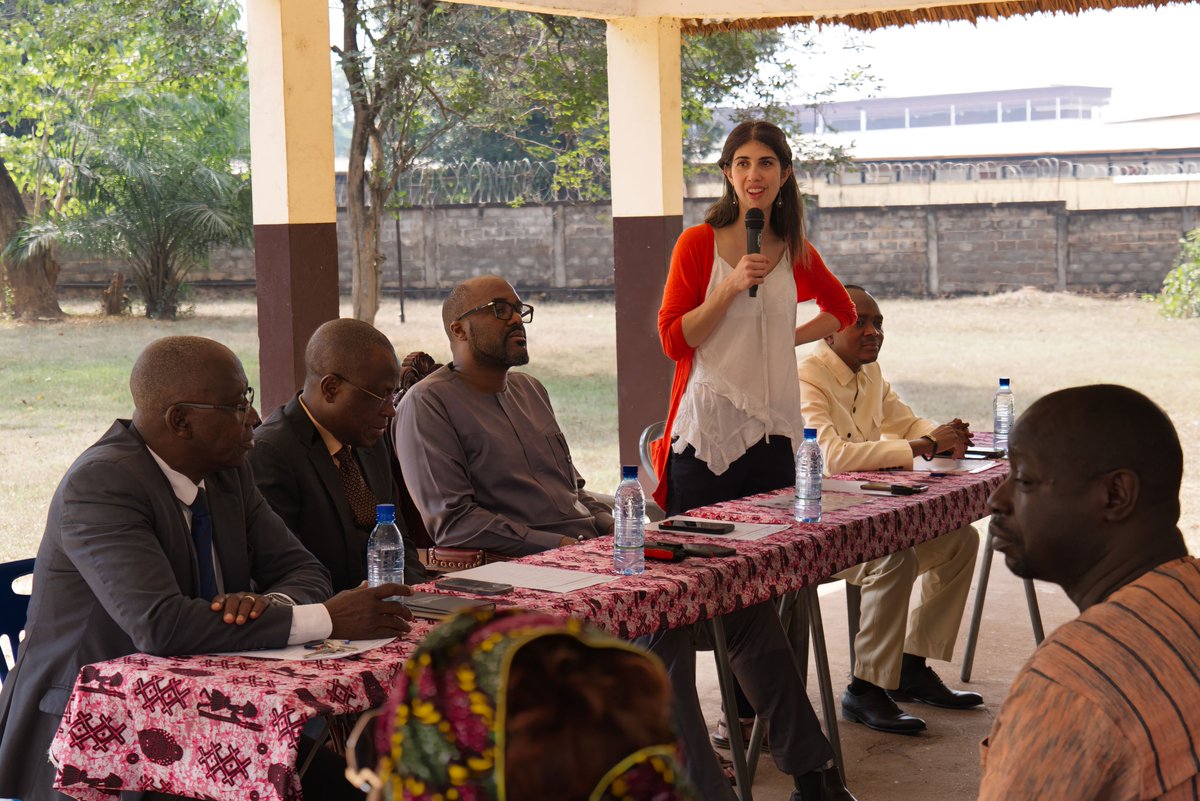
(202, 536)
(362, 500)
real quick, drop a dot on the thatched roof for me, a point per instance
(870, 20)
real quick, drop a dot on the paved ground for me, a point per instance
(942, 764)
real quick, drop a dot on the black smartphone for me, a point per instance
(474, 586)
(696, 526)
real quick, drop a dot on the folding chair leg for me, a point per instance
(716, 630)
(817, 626)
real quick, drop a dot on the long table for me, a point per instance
(227, 728)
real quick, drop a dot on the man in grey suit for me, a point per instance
(322, 461)
(158, 541)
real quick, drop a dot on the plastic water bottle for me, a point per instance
(808, 479)
(385, 549)
(629, 540)
(1003, 411)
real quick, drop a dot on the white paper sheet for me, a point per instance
(954, 466)
(535, 577)
(301, 653)
(830, 501)
(741, 531)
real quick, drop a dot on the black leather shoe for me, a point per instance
(827, 786)
(927, 687)
(876, 710)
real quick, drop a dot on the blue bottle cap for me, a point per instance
(628, 471)
(1004, 382)
(810, 433)
(385, 513)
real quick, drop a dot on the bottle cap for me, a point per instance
(1004, 382)
(385, 513)
(810, 433)
(628, 471)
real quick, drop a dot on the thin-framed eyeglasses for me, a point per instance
(240, 409)
(503, 309)
(391, 399)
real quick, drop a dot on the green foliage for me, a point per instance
(1180, 293)
(155, 188)
(85, 82)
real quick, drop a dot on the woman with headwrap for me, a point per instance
(522, 706)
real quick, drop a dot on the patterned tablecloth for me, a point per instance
(226, 728)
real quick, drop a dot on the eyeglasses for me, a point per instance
(392, 398)
(240, 409)
(503, 309)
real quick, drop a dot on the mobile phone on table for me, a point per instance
(696, 526)
(474, 586)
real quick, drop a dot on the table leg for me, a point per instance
(737, 751)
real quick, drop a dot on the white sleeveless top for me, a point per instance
(743, 384)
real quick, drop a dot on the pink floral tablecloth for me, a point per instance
(227, 728)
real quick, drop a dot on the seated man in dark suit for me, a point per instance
(158, 541)
(322, 461)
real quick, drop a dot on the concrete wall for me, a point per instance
(906, 249)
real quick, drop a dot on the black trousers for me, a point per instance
(764, 467)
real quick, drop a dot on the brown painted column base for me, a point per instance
(297, 274)
(642, 256)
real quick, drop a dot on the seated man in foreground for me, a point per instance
(322, 460)
(1107, 707)
(863, 425)
(488, 467)
(158, 541)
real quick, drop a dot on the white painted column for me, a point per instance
(291, 111)
(645, 113)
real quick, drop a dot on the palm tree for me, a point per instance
(159, 189)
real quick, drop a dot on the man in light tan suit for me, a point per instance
(863, 425)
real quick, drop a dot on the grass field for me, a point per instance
(61, 384)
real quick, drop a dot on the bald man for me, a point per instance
(158, 541)
(488, 467)
(321, 460)
(1108, 707)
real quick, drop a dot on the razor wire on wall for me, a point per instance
(517, 183)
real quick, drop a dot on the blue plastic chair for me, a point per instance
(14, 607)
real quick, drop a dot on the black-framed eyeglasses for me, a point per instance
(503, 309)
(240, 409)
(392, 398)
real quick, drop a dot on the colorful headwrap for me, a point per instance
(442, 733)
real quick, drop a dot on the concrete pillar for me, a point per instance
(1062, 250)
(295, 213)
(646, 145)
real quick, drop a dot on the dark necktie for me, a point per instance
(202, 536)
(362, 500)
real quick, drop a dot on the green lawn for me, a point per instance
(61, 384)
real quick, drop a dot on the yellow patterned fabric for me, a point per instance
(442, 733)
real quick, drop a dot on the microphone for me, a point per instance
(754, 229)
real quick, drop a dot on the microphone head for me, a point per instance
(755, 219)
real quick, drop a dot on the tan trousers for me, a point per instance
(945, 566)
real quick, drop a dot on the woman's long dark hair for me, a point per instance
(788, 220)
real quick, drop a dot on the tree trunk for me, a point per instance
(364, 220)
(31, 282)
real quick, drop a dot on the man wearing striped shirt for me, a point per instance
(1108, 707)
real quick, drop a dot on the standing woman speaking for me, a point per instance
(735, 399)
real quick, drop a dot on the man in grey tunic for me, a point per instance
(488, 467)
